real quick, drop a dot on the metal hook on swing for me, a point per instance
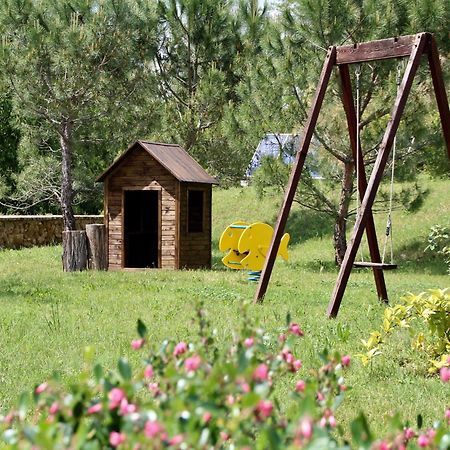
(358, 74)
(399, 73)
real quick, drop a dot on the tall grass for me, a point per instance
(48, 317)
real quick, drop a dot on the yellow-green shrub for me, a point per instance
(432, 310)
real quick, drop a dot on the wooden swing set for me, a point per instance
(412, 46)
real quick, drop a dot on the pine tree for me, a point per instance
(72, 67)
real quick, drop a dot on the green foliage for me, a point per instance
(439, 243)
(74, 72)
(197, 396)
(426, 316)
(9, 139)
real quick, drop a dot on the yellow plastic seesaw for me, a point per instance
(247, 245)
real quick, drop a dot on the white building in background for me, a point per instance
(279, 145)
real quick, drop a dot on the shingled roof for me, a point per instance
(171, 156)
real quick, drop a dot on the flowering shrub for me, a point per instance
(193, 396)
(439, 243)
(429, 309)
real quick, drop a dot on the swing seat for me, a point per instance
(375, 265)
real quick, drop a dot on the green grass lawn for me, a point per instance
(48, 317)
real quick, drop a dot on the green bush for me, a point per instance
(427, 318)
(192, 396)
(439, 243)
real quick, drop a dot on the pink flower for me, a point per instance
(225, 436)
(127, 408)
(152, 428)
(245, 388)
(423, 440)
(180, 348)
(297, 364)
(384, 445)
(41, 388)
(115, 438)
(230, 399)
(8, 419)
(323, 422)
(148, 371)
(115, 395)
(447, 414)
(261, 373)
(264, 408)
(320, 397)
(282, 338)
(207, 416)
(54, 408)
(445, 374)
(332, 421)
(193, 363)
(137, 344)
(345, 360)
(154, 389)
(287, 356)
(249, 342)
(306, 428)
(94, 409)
(409, 433)
(300, 386)
(295, 329)
(176, 440)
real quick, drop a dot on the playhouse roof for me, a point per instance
(171, 156)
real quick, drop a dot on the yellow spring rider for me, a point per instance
(247, 245)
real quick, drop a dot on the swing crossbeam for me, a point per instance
(414, 47)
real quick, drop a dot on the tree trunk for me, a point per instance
(340, 226)
(96, 240)
(66, 176)
(74, 251)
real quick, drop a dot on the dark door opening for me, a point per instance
(141, 236)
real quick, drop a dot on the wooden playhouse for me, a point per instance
(157, 209)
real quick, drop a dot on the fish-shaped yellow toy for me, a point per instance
(254, 243)
(229, 243)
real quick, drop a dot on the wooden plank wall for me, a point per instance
(140, 171)
(195, 248)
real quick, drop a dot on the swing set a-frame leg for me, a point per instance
(350, 112)
(280, 225)
(377, 174)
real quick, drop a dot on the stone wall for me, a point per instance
(29, 231)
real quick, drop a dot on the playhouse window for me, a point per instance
(195, 211)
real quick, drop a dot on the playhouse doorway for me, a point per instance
(141, 229)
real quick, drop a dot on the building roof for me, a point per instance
(273, 145)
(171, 156)
(283, 146)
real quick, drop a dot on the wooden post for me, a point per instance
(96, 243)
(295, 175)
(377, 174)
(439, 90)
(75, 252)
(349, 107)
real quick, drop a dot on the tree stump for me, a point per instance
(96, 240)
(75, 252)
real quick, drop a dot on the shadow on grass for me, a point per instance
(306, 224)
(413, 258)
(13, 287)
